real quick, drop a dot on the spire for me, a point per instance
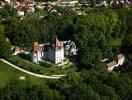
(56, 43)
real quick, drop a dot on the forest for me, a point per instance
(100, 34)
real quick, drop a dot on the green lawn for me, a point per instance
(7, 73)
(25, 64)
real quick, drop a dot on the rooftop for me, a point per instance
(56, 43)
(35, 47)
(111, 64)
(119, 56)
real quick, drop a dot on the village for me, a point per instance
(29, 6)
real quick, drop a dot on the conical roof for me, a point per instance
(56, 43)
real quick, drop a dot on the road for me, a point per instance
(31, 73)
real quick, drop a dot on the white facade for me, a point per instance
(70, 48)
(37, 56)
(39, 6)
(8, 1)
(69, 2)
(54, 51)
(20, 13)
(30, 7)
(121, 59)
(34, 58)
(56, 56)
(104, 3)
(111, 68)
(16, 53)
(59, 56)
(37, 52)
(16, 50)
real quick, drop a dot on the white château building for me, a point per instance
(54, 52)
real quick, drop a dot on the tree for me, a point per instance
(5, 48)
(124, 83)
(99, 35)
(2, 31)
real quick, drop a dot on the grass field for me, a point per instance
(25, 64)
(7, 73)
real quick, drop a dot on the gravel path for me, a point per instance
(31, 73)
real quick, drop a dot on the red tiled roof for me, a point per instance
(35, 47)
(119, 56)
(111, 64)
(17, 49)
(128, 4)
(56, 43)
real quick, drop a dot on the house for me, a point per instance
(128, 4)
(70, 48)
(104, 3)
(54, 51)
(36, 52)
(121, 59)
(39, 5)
(2, 4)
(111, 64)
(20, 13)
(30, 7)
(15, 4)
(8, 1)
(71, 2)
(16, 50)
